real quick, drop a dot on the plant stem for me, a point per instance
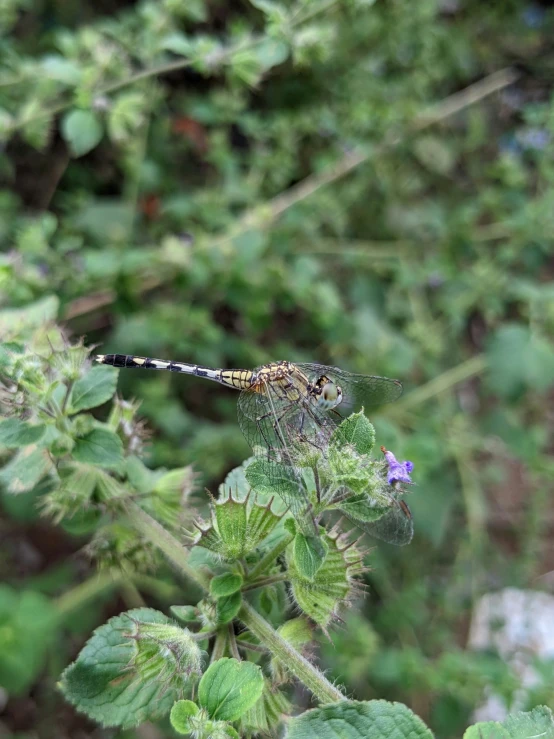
(441, 383)
(298, 665)
(167, 543)
(220, 645)
(264, 581)
(272, 555)
(233, 643)
(66, 396)
(203, 635)
(88, 590)
(252, 647)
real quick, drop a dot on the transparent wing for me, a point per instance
(395, 527)
(369, 391)
(285, 429)
(282, 432)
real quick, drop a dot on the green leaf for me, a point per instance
(228, 607)
(435, 154)
(360, 508)
(309, 555)
(100, 683)
(269, 478)
(355, 719)
(82, 130)
(320, 597)
(126, 116)
(271, 53)
(180, 714)
(231, 518)
(25, 469)
(186, 614)
(61, 69)
(28, 626)
(178, 43)
(15, 433)
(101, 447)
(358, 431)
(94, 388)
(226, 584)
(229, 688)
(267, 713)
(522, 725)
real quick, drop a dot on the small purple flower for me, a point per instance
(398, 471)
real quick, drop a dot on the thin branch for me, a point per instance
(270, 557)
(174, 551)
(445, 381)
(81, 594)
(265, 581)
(263, 216)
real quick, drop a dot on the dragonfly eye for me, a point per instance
(331, 395)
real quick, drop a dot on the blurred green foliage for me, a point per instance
(233, 183)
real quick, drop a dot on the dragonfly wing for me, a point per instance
(369, 391)
(395, 527)
(270, 424)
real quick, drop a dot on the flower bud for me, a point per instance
(165, 653)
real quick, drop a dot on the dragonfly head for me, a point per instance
(330, 394)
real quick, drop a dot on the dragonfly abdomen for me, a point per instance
(238, 378)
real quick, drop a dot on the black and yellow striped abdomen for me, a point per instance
(240, 379)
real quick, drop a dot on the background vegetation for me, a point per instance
(365, 184)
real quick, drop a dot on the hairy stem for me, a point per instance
(298, 665)
(156, 533)
(233, 643)
(88, 590)
(265, 581)
(220, 645)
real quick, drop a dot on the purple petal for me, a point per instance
(398, 471)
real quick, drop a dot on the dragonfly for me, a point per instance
(284, 406)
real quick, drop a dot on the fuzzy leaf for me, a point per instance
(320, 598)
(309, 555)
(82, 130)
(100, 684)
(261, 522)
(228, 607)
(25, 469)
(101, 447)
(231, 517)
(377, 719)
(522, 725)
(358, 431)
(266, 714)
(180, 714)
(94, 388)
(186, 614)
(226, 584)
(15, 433)
(269, 478)
(229, 688)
